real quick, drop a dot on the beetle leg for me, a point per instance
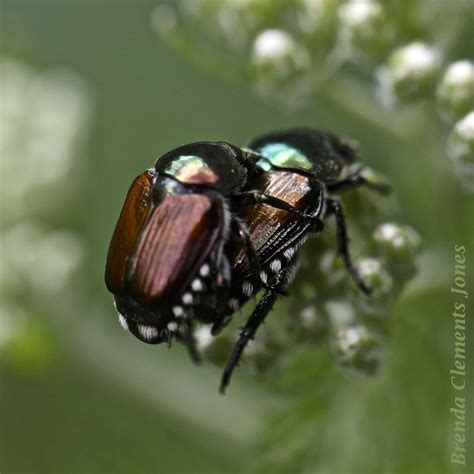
(254, 263)
(220, 324)
(256, 197)
(191, 342)
(334, 207)
(258, 316)
(356, 180)
(251, 253)
(187, 337)
(222, 293)
(220, 268)
(248, 332)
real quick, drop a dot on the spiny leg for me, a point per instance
(187, 338)
(220, 324)
(257, 197)
(250, 252)
(335, 208)
(240, 232)
(248, 332)
(222, 293)
(258, 316)
(254, 263)
(191, 343)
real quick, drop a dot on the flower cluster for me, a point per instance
(292, 51)
(43, 116)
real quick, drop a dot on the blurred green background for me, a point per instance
(91, 96)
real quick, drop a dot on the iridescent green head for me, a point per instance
(310, 151)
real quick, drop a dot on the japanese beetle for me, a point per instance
(169, 253)
(168, 250)
(301, 167)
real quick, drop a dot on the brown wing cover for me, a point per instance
(134, 213)
(264, 221)
(178, 237)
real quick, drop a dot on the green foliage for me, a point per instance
(337, 383)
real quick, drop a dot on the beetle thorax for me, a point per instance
(191, 169)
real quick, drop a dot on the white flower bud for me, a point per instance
(214, 349)
(374, 274)
(203, 338)
(461, 150)
(409, 73)
(278, 60)
(316, 16)
(456, 91)
(278, 49)
(362, 29)
(358, 348)
(398, 246)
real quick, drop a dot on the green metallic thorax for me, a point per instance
(280, 155)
